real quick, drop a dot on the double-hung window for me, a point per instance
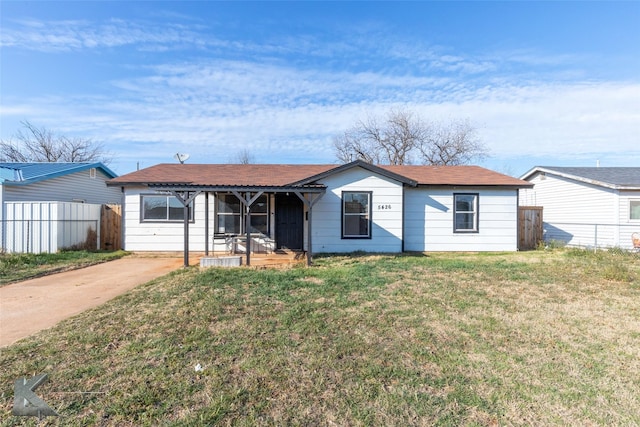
(163, 208)
(231, 215)
(260, 215)
(465, 213)
(634, 209)
(356, 215)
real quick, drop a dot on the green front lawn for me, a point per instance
(535, 338)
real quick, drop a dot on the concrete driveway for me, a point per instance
(33, 305)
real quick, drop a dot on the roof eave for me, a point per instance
(514, 186)
(79, 168)
(573, 177)
(362, 164)
(226, 188)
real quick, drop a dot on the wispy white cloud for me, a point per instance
(73, 35)
(253, 96)
(368, 48)
(285, 114)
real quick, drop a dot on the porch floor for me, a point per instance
(278, 259)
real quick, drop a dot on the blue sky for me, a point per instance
(544, 83)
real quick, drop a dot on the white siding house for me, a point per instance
(37, 212)
(386, 203)
(429, 220)
(320, 208)
(586, 206)
(141, 235)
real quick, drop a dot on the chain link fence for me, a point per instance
(590, 235)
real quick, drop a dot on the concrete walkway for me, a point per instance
(33, 305)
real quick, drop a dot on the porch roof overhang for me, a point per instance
(174, 186)
(309, 194)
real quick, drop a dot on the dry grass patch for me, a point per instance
(443, 339)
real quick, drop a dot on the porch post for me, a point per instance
(247, 224)
(186, 197)
(247, 201)
(206, 223)
(185, 210)
(309, 242)
(313, 198)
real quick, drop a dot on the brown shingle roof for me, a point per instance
(455, 175)
(222, 174)
(283, 175)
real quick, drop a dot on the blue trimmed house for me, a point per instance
(40, 201)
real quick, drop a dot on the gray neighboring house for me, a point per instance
(38, 201)
(586, 206)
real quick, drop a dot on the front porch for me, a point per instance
(266, 225)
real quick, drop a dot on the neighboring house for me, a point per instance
(328, 208)
(586, 206)
(41, 202)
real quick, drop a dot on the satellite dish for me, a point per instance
(181, 157)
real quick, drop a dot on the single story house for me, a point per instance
(587, 207)
(40, 203)
(319, 208)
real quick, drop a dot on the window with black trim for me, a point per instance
(230, 215)
(163, 208)
(465, 213)
(356, 215)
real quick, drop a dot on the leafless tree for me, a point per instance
(243, 157)
(403, 138)
(33, 144)
(454, 143)
(391, 141)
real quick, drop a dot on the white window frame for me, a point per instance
(367, 215)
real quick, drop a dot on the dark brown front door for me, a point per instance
(289, 222)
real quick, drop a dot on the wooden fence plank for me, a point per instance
(529, 227)
(110, 227)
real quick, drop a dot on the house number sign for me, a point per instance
(384, 207)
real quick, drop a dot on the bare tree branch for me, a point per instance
(455, 143)
(33, 144)
(243, 157)
(403, 138)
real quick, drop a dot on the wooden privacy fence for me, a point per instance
(529, 227)
(110, 227)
